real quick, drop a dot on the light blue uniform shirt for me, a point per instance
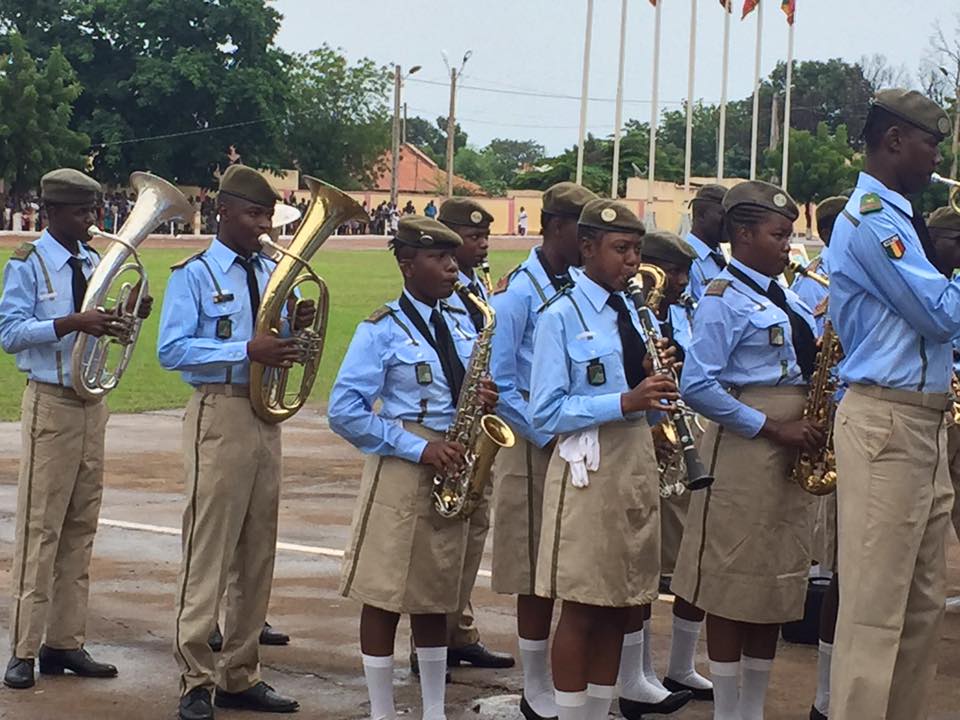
(209, 290)
(517, 308)
(740, 338)
(37, 291)
(811, 292)
(895, 317)
(575, 330)
(381, 365)
(703, 269)
(680, 319)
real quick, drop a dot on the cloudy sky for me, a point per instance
(525, 50)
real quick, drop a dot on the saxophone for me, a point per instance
(817, 474)
(482, 434)
(483, 270)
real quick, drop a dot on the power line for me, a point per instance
(533, 93)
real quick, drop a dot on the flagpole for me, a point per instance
(723, 89)
(786, 109)
(654, 116)
(584, 90)
(690, 78)
(615, 174)
(756, 96)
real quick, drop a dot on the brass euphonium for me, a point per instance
(954, 186)
(94, 371)
(270, 396)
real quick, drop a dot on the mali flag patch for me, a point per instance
(894, 247)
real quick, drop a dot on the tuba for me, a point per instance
(817, 474)
(272, 399)
(95, 369)
(682, 470)
(482, 434)
(954, 186)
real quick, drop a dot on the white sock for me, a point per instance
(683, 648)
(537, 683)
(433, 680)
(753, 693)
(599, 698)
(649, 671)
(634, 685)
(571, 705)
(378, 670)
(726, 695)
(822, 702)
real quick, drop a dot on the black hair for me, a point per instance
(746, 216)
(878, 122)
(585, 233)
(401, 251)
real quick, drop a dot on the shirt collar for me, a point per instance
(758, 277)
(595, 293)
(422, 308)
(57, 254)
(868, 183)
(465, 279)
(223, 256)
(699, 246)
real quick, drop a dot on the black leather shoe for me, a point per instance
(415, 668)
(698, 693)
(215, 641)
(195, 705)
(79, 662)
(19, 673)
(816, 714)
(529, 713)
(478, 656)
(269, 636)
(633, 710)
(261, 697)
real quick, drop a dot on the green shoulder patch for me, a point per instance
(23, 251)
(717, 288)
(504, 282)
(183, 263)
(379, 314)
(870, 203)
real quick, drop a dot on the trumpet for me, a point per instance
(954, 186)
(95, 372)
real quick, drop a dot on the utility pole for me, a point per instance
(403, 126)
(395, 141)
(451, 117)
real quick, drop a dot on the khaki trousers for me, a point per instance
(953, 453)
(232, 463)
(893, 512)
(58, 503)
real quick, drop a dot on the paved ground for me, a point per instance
(134, 572)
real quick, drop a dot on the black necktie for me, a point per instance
(449, 360)
(804, 343)
(253, 287)
(79, 282)
(634, 348)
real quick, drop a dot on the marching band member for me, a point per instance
(895, 315)
(519, 471)
(746, 549)
(599, 542)
(231, 457)
(403, 557)
(61, 464)
(640, 689)
(705, 236)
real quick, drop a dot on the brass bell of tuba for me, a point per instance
(94, 368)
(270, 394)
(954, 186)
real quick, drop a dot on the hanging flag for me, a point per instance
(789, 7)
(748, 7)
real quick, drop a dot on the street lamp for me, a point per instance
(398, 78)
(451, 120)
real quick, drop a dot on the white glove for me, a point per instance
(581, 450)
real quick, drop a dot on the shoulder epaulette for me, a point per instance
(822, 306)
(717, 287)
(556, 296)
(186, 260)
(379, 314)
(504, 282)
(870, 203)
(23, 251)
(447, 307)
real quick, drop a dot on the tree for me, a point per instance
(427, 137)
(169, 85)
(36, 105)
(338, 119)
(508, 157)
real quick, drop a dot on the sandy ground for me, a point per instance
(134, 573)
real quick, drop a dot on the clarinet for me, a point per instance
(697, 476)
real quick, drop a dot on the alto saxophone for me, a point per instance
(817, 474)
(682, 470)
(457, 494)
(483, 270)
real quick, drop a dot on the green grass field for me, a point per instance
(358, 281)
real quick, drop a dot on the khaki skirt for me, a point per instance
(673, 516)
(402, 557)
(600, 545)
(747, 543)
(518, 476)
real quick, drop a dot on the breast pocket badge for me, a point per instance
(776, 336)
(424, 373)
(224, 328)
(596, 373)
